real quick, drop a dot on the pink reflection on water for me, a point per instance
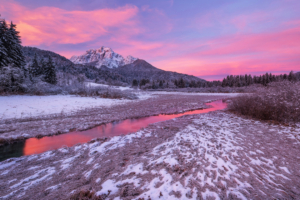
(35, 146)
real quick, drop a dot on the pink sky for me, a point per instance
(205, 39)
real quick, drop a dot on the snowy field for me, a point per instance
(21, 106)
(28, 106)
(90, 84)
(210, 156)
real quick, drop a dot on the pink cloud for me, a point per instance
(253, 43)
(46, 25)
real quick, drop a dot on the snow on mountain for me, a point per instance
(103, 56)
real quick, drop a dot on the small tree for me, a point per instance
(134, 83)
(291, 76)
(161, 84)
(35, 69)
(181, 83)
(50, 73)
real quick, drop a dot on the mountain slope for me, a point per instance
(65, 66)
(103, 56)
(141, 69)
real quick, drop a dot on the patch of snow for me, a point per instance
(53, 187)
(6, 164)
(35, 178)
(88, 174)
(208, 193)
(91, 84)
(108, 185)
(19, 106)
(285, 169)
(137, 169)
(259, 151)
(98, 180)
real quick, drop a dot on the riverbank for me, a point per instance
(218, 155)
(94, 114)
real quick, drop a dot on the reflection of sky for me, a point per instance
(203, 38)
(34, 145)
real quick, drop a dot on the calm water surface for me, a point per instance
(35, 146)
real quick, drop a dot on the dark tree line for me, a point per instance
(45, 69)
(246, 80)
(229, 81)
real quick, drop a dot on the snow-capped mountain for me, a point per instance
(104, 56)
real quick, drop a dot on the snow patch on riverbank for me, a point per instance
(24, 106)
(19, 106)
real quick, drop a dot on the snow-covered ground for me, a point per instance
(211, 156)
(20, 106)
(27, 106)
(90, 84)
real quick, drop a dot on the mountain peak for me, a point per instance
(103, 56)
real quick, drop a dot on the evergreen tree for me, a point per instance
(134, 82)
(35, 67)
(224, 82)
(176, 83)
(267, 78)
(153, 85)
(15, 49)
(161, 84)
(50, 73)
(284, 76)
(3, 55)
(4, 60)
(291, 76)
(181, 83)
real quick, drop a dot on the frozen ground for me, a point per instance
(210, 156)
(49, 115)
(22, 106)
(103, 85)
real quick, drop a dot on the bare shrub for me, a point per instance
(103, 92)
(43, 88)
(279, 101)
(11, 80)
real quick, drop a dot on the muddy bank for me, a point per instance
(216, 155)
(20, 129)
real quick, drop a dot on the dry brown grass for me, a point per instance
(278, 101)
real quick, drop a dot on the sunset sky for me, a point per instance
(209, 39)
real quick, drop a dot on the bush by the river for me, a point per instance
(278, 101)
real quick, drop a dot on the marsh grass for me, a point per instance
(278, 101)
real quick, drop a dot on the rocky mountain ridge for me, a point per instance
(103, 56)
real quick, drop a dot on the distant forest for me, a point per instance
(229, 81)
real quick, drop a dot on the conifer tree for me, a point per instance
(161, 84)
(3, 44)
(15, 49)
(135, 82)
(34, 67)
(3, 55)
(50, 73)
